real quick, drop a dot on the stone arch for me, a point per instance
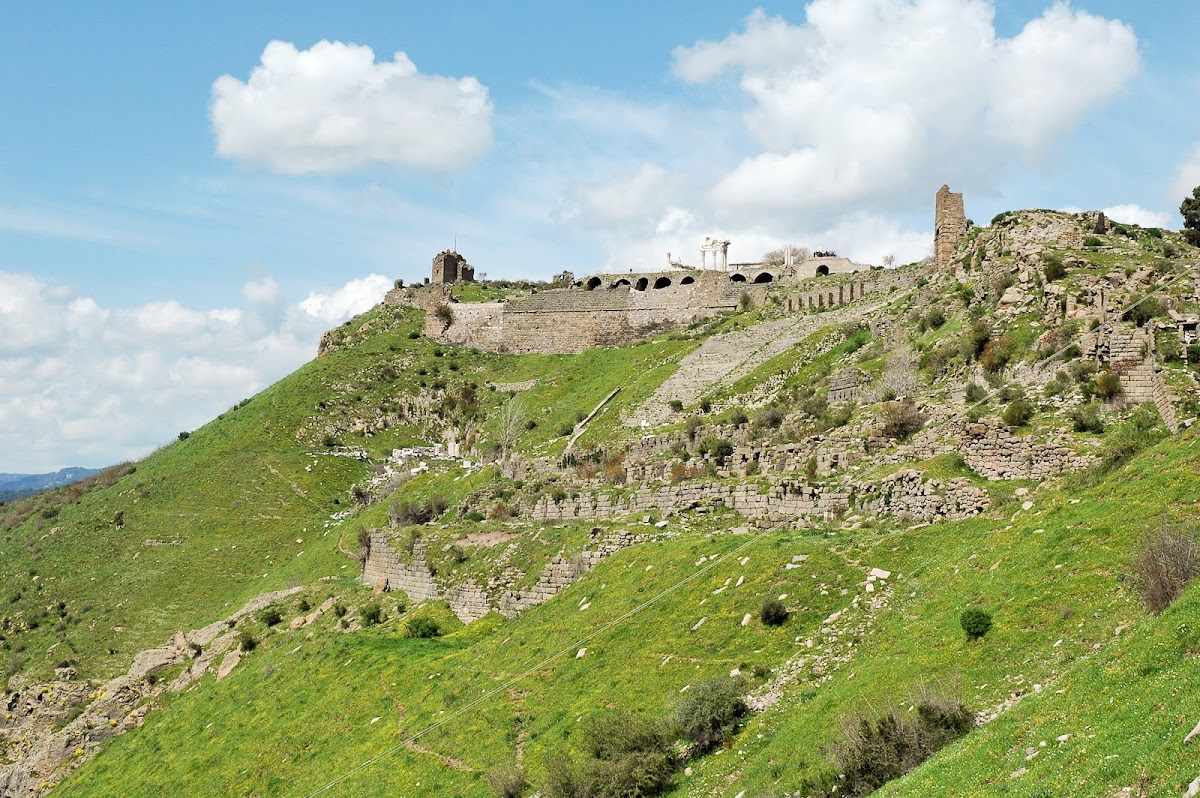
(823, 270)
(737, 278)
(641, 284)
(764, 277)
(687, 280)
(592, 284)
(662, 282)
(621, 282)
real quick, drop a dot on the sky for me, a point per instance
(191, 193)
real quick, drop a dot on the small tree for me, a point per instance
(424, 627)
(1190, 209)
(975, 622)
(1018, 413)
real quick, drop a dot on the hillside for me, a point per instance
(409, 568)
(15, 486)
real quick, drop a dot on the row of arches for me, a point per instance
(641, 284)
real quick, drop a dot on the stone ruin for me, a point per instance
(450, 267)
(949, 225)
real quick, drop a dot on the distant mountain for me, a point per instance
(14, 486)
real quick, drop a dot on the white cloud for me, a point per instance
(873, 103)
(629, 199)
(81, 384)
(1188, 176)
(1136, 214)
(354, 297)
(334, 108)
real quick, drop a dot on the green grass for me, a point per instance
(1054, 573)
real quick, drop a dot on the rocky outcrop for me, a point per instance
(47, 730)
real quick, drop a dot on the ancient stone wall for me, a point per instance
(386, 569)
(787, 500)
(949, 225)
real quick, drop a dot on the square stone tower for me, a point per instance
(450, 267)
(949, 225)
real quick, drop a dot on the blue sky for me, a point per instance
(172, 239)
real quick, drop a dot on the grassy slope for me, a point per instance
(316, 705)
(244, 503)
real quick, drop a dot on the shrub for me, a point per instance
(270, 616)
(475, 516)
(899, 419)
(707, 713)
(424, 627)
(1140, 431)
(1164, 565)
(998, 353)
(691, 427)
(976, 393)
(1052, 268)
(371, 614)
(675, 405)
(773, 612)
(1108, 385)
(339, 610)
(446, 316)
(1092, 241)
(1143, 311)
(745, 302)
(719, 449)
(507, 781)
(769, 418)
(1018, 413)
(1086, 418)
(876, 748)
(975, 622)
(738, 418)
(625, 755)
(974, 339)
(246, 641)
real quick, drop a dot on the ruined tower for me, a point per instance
(450, 267)
(949, 225)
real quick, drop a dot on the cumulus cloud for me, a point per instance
(1136, 214)
(353, 297)
(82, 384)
(877, 101)
(334, 108)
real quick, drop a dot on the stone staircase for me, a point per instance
(723, 359)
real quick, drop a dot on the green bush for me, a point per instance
(1144, 310)
(474, 516)
(371, 614)
(719, 449)
(183, 436)
(424, 627)
(675, 405)
(1018, 413)
(976, 393)
(975, 622)
(1086, 418)
(246, 641)
(773, 612)
(974, 339)
(1052, 268)
(507, 781)
(899, 419)
(1092, 241)
(706, 714)
(625, 756)
(878, 747)
(1140, 431)
(270, 616)
(1108, 385)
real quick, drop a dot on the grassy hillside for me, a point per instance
(302, 710)
(280, 490)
